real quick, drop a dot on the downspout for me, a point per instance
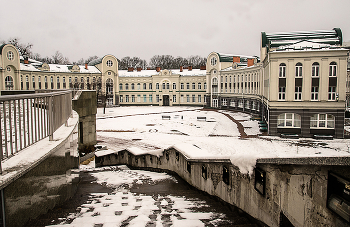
(3, 207)
(268, 97)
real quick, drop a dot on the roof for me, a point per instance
(229, 57)
(329, 37)
(149, 73)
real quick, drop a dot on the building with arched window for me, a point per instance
(297, 85)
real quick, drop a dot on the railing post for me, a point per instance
(50, 119)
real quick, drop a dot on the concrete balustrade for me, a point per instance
(279, 191)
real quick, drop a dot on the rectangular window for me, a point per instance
(144, 98)
(205, 85)
(163, 86)
(182, 98)
(174, 98)
(182, 86)
(187, 86)
(282, 93)
(64, 82)
(167, 86)
(144, 86)
(193, 98)
(199, 98)
(174, 86)
(150, 86)
(157, 86)
(332, 88)
(224, 102)
(297, 94)
(282, 89)
(39, 82)
(150, 98)
(314, 89)
(331, 93)
(188, 98)
(193, 86)
(132, 98)
(157, 98)
(127, 98)
(199, 86)
(314, 93)
(315, 71)
(120, 98)
(138, 98)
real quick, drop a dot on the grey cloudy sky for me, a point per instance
(79, 29)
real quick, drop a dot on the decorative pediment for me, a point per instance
(74, 68)
(45, 67)
(165, 72)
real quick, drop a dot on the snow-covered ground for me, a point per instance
(122, 207)
(144, 127)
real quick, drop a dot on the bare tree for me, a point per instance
(196, 61)
(58, 58)
(24, 49)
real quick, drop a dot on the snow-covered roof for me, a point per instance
(149, 73)
(306, 45)
(59, 68)
(28, 67)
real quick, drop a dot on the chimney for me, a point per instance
(86, 65)
(130, 69)
(236, 59)
(203, 67)
(139, 69)
(181, 68)
(157, 69)
(26, 61)
(190, 68)
(250, 62)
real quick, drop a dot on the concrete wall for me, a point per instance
(86, 106)
(295, 193)
(31, 189)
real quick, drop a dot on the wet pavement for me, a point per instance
(118, 196)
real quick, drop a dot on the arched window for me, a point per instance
(322, 121)
(82, 83)
(282, 70)
(120, 86)
(215, 81)
(138, 86)
(288, 120)
(126, 86)
(132, 86)
(58, 83)
(9, 83)
(333, 69)
(298, 70)
(315, 69)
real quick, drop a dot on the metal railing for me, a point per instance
(26, 119)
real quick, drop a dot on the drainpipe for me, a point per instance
(3, 207)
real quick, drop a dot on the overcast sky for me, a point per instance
(144, 28)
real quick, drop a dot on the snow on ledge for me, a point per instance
(192, 152)
(26, 159)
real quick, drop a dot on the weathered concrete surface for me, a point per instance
(295, 191)
(33, 187)
(86, 106)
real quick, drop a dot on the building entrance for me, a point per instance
(165, 100)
